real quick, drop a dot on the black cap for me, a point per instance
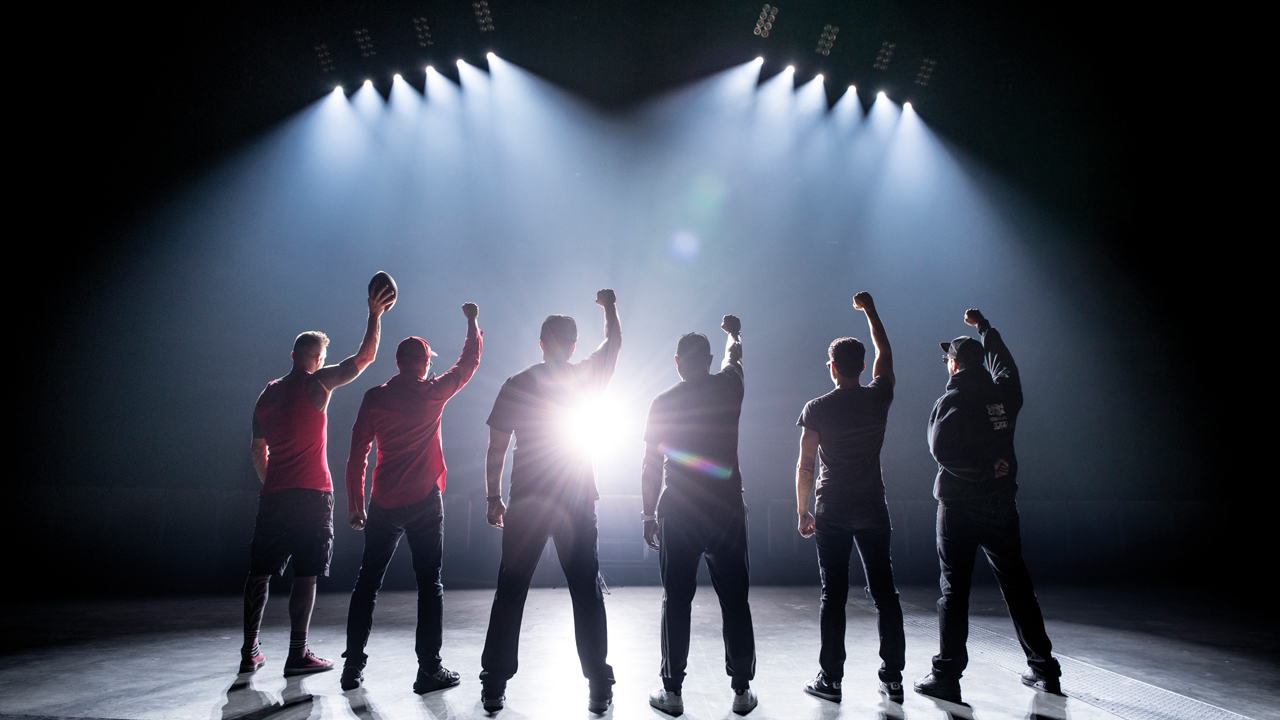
(964, 349)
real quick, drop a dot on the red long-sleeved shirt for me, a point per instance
(403, 414)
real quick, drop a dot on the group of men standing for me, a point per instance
(691, 489)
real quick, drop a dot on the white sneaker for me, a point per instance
(744, 701)
(667, 701)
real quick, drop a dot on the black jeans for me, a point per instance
(423, 523)
(685, 534)
(527, 525)
(991, 524)
(837, 535)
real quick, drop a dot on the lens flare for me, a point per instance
(698, 463)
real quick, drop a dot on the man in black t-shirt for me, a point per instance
(553, 494)
(692, 440)
(845, 430)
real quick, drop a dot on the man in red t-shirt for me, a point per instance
(295, 507)
(403, 415)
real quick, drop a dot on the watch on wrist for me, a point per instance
(648, 518)
(493, 498)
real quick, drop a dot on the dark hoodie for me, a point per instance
(972, 425)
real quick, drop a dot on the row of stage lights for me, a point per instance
(491, 56)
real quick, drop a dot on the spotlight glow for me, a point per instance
(818, 77)
(881, 94)
(591, 427)
(337, 89)
(906, 105)
(791, 68)
(429, 68)
(368, 82)
(491, 56)
(396, 77)
(760, 59)
(460, 63)
(853, 88)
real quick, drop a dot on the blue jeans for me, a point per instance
(993, 525)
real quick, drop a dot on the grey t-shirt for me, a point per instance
(850, 425)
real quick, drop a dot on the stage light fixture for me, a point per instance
(368, 82)
(491, 56)
(906, 105)
(337, 89)
(364, 42)
(881, 95)
(885, 56)
(765, 23)
(926, 72)
(324, 58)
(396, 77)
(791, 68)
(826, 39)
(484, 19)
(423, 31)
(818, 77)
(460, 63)
(853, 88)
(760, 59)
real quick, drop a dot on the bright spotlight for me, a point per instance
(818, 77)
(881, 94)
(906, 105)
(460, 63)
(429, 68)
(368, 82)
(853, 88)
(791, 68)
(760, 59)
(491, 56)
(396, 77)
(589, 427)
(338, 89)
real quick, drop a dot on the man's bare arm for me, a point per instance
(650, 490)
(494, 459)
(334, 376)
(804, 480)
(884, 354)
(258, 453)
(733, 344)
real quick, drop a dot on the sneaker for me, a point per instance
(668, 701)
(599, 699)
(941, 688)
(892, 691)
(492, 698)
(306, 664)
(744, 701)
(1043, 683)
(819, 687)
(438, 680)
(352, 677)
(251, 660)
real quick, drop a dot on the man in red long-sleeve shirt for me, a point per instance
(403, 415)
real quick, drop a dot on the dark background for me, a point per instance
(1083, 108)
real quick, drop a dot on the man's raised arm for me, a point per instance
(461, 372)
(884, 354)
(349, 369)
(605, 358)
(733, 344)
(1004, 372)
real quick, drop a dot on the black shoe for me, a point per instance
(352, 677)
(492, 698)
(893, 691)
(941, 688)
(819, 687)
(1043, 683)
(430, 682)
(599, 699)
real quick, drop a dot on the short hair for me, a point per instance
(310, 341)
(560, 328)
(848, 355)
(693, 345)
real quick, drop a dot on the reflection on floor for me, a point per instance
(176, 658)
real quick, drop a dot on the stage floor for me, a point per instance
(1123, 656)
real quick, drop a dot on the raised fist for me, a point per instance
(606, 297)
(972, 317)
(470, 310)
(731, 324)
(862, 301)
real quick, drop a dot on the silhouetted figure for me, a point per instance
(971, 436)
(553, 494)
(295, 507)
(692, 442)
(845, 430)
(403, 415)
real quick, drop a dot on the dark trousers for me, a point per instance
(422, 522)
(837, 536)
(686, 534)
(991, 524)
(527, 525)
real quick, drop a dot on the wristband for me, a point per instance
(648, 518)
(493, 498)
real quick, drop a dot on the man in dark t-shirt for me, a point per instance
(692, 442)
(845, 430)
(553, 494)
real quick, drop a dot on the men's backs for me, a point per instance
(850, 423)
(696, 422)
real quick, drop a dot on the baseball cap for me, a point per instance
(965, 349)
(413, 348)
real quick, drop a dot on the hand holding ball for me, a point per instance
(382, 292)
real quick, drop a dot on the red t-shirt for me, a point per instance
(404, 416)
(295, 433)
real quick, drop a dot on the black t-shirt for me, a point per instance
(850, 425)
(537, 404)
(696, 423)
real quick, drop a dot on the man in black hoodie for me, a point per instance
(971, 436)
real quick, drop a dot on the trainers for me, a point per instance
(599, 699)
(893, 691)
(251, 660)
(352, 677)
(941, 688)
(492, 698)
(820, 687)
(1043, 683)
(668, 701)
(308, 663)
(438, 680)
(744, 701)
